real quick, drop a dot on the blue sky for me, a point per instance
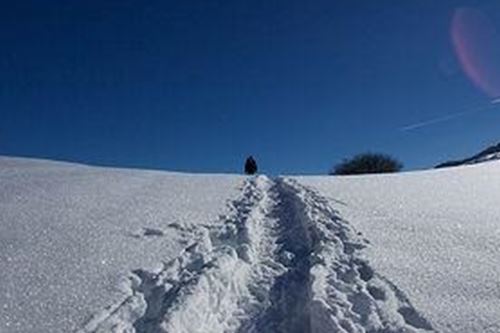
(199, 85)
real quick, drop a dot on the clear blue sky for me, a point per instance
(199, 85)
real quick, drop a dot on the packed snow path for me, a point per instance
(281, 261)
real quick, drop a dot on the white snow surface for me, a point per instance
(96, 250)
(434, 234)
(70, 233)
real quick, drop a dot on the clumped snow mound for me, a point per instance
(70, 233)
(434, 234)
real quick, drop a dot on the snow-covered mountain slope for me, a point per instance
(491, 153)
(434, 234)
(69, 233)
(283, 261)
(99, 250)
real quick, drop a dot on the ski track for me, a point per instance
(282, 260)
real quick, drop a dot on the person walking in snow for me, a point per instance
(250, 166)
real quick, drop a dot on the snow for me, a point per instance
(486, 158)
(434, 234)
(345, 293)
(213, 280)
(70, 233)
(93, 250)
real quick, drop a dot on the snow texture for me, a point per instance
(95, 250)
(69, 235)
(282, 261)
(435, 234)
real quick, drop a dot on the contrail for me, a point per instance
(495, 101)
(432, 121)
(449, 117)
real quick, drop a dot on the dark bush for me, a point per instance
(367, 163)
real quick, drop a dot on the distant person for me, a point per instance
(250, 166)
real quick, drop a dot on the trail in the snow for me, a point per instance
(214, 285)
(345, 292)
(290, 293)
(281, 261)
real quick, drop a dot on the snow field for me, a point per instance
(347, 295)
(94, 250)
(70, 233)
(434, 234)
(281, 261)
(212, 286)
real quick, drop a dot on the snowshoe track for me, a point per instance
(281, 261)
(210, 284)
(346, 294)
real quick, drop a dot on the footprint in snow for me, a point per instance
(147, 232)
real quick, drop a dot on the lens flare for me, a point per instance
(477, 46)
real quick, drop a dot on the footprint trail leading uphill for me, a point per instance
(281, 261)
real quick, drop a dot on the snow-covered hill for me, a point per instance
(87, 249)
(69, 234)
(491, 153)
(434, 234)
